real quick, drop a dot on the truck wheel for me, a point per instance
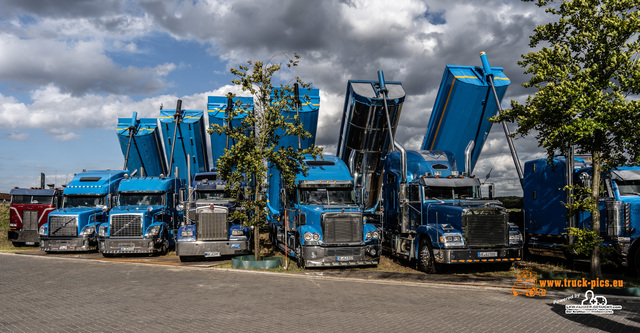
(299, 258)
(426, 263)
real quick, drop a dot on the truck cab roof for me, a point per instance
(97, 182)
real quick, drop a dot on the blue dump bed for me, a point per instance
(144, 147)
(216, 109)
(364, 133)
(190, 139)
(309, 109)
(461, 111)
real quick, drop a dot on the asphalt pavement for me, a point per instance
(73, 293)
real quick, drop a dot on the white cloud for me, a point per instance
(17, 136)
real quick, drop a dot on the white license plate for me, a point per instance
(344, 258)
(211, 254)
(127, 248)
(487, 254)
(30, 243)
(63, 247)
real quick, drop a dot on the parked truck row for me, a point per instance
(424, 205)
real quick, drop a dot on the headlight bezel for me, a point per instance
(153, 230)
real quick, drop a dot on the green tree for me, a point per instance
(584, 70)
(251, 155)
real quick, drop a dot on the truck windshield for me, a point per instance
(628, 187)
(141, 199)
(211, 195)
(450, 193)
(41, 199)
(20, 199)
(83, 201)
(327, 196)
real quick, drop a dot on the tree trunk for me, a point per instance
(595, 215)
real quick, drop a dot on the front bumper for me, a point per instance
(23, 236)
(212, 248)
(319, 256)
(483, 255)
(74, 244)
(130, 245)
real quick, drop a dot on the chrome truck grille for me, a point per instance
(212, 224)
(342, 228)
(486, 226)
(30, 220)
(126, 225)
(63, 225)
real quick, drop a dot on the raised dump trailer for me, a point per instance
(460, 114)
(217, 109)
(188, 138)
(28, 210)
(369, 121)
(141, 145)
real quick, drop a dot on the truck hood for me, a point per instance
(76, 211)
(135, 209)
(317, 210)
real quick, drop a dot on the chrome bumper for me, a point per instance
(488, 255)
(317, 256)
(212, 248)
(68, 244)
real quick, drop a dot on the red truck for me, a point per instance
(29, 209)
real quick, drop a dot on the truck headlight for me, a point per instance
(154, 230)
(368, 235)
(307, 236)
(237, 232)
(13, 225)
(186, 233)
(515, 238)
(43, 230)
(102, 231)
(375, 234)
(89, 230)
(451, 239)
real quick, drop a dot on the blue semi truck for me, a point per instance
(434, 214)
(209, 231)
(85, 205)
(433, 210)
(145, 217)
(319, 222)
(547, 219)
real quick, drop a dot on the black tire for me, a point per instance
(426, 261)
(299, 259)
(108, 255)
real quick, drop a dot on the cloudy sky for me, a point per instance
(69, 69)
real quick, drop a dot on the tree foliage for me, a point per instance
(585, 70)
(256, 141)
